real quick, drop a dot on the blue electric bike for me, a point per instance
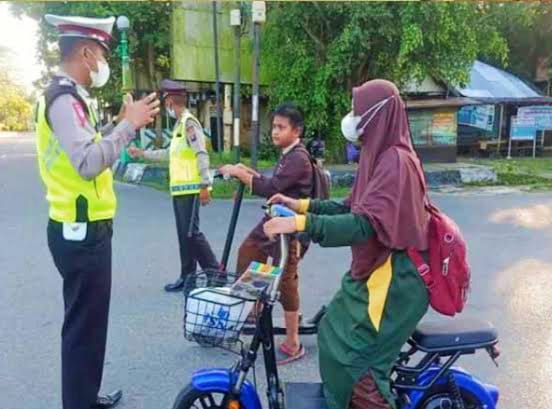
(423, 377)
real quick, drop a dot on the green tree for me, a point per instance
(148, 38)
(314, 53)
(15, 108)
(527, 27)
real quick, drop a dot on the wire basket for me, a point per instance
(214, 317)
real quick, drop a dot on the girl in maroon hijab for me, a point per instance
(382, 297)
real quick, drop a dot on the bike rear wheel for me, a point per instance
(440, 398)
(192, 398)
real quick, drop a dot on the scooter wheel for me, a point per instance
(192, 398)
(439, 398)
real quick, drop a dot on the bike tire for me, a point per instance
(191, 398)
(431, 399)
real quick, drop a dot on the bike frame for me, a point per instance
(233, 382)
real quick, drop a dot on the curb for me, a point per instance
(138, 173)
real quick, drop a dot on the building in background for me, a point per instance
(192, 61)
(433, 118)
(508, 94)
(479, 118)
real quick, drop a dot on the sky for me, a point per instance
(21, 37)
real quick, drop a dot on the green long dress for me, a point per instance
(368, 321)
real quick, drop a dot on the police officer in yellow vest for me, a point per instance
(189, 181)
(75, 155)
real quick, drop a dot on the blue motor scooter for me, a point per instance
(430, 383)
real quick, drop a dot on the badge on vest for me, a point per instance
(74, 231)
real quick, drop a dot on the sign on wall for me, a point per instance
(420, 126)
(192, 44)
(540, 114)
(478, 116)
(444, 128)
(438, 127)
(522, 129)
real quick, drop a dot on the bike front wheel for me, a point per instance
(192, 398)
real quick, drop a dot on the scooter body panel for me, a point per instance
(221, 380)
(485, 393)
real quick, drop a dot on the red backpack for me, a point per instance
(447, 276)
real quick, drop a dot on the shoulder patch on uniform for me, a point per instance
(79, 111)
(191, 131)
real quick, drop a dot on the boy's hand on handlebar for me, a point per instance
(248, 170)
(279, 225)
(290, 203)
(237, 172)
(227, 170)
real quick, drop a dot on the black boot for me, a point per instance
(178, 285)
(108, 401)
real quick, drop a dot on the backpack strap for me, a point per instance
(58, 87)
(421, 266)
(301, 148)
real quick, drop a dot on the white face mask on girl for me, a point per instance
(350, 122)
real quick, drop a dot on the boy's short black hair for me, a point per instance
(292, 112)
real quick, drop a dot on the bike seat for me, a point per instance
(303, 395)
(454, 334)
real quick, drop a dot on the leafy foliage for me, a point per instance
(314, 53)
(15, 108)
(527, 27)
(149, 38)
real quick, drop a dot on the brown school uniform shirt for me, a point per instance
(293, 177)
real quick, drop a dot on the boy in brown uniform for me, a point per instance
(293, 176)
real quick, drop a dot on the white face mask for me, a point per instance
(100, 78)
(350, 122)
(171, 112)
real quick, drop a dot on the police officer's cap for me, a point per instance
(97, 29)
(172, 87)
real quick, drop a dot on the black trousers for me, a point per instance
(194, 247)
(85, 267)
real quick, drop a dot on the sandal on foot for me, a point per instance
(284, 355)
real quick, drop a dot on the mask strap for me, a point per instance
(375, 109)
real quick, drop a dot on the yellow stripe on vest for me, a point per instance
(378, 288)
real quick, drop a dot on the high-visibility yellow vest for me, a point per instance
(183, 167)
(71, 197)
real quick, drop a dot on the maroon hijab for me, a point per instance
(388, 189)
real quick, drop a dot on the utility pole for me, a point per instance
(235, 21)
(258, 9)
(220, 144)
(123, 25)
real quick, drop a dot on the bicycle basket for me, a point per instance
(214, 317)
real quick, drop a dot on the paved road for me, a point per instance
(510, 235)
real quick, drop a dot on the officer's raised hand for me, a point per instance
(127, 99)
(142, 112)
